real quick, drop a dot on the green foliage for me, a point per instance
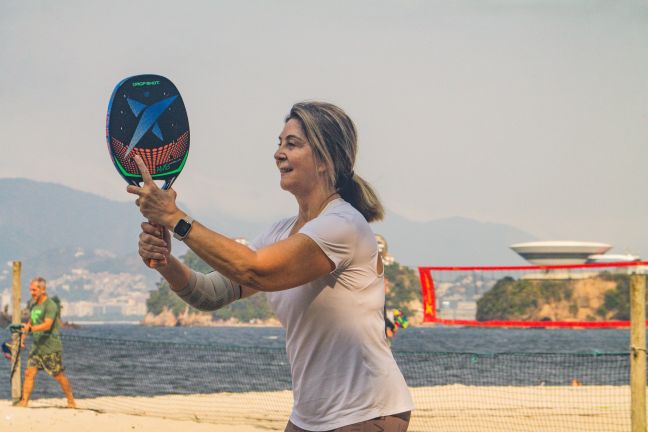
(505, 300)
(573, 309)
(511, 299)
(601, 312)
(162, 298)
(255, 307)
(246, 310)
(617, 300)
(404, 286)
(403, 283)
(195, 262)
(516, 299)
(568, 293)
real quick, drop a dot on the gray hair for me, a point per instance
(334, 140)
(39, 280)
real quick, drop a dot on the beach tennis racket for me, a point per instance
(14, 359)
(147, 117)
(8, 348)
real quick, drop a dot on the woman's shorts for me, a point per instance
(50, 363)
(392, 423)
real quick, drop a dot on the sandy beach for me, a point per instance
(65, 420)
(440, 408)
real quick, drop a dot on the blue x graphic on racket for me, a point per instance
(147, 117)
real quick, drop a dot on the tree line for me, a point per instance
(402, 283)
(512, 299)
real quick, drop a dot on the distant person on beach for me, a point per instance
(320, 270)
(390, 328)
(46, 352)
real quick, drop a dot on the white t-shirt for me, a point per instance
(343, 371)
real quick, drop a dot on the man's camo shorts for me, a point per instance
(50, 363)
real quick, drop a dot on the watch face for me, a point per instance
(182, 228)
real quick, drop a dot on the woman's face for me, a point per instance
(299, 172)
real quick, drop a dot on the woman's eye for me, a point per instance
(288, 144)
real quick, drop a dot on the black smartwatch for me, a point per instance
(182, 228)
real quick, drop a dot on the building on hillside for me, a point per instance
(544, 253)
(612, 258)
(557, 253)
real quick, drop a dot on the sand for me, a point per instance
(65, 420)
(440, 408)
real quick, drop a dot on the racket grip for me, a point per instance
(153, 263)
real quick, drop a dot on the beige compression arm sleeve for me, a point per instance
(209, 292)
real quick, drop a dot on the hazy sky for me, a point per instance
(530, 113)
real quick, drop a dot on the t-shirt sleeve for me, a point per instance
(335, 234)
(50, 311)
(269, 236)
(258, 242)
(263, 239)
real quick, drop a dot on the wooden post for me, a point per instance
(16, 385)
(638, 352)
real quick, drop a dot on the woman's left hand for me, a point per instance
(157, 205)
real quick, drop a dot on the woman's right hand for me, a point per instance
(153, 249)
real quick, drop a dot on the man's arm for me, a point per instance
(26, 328)
(29, 327)
(45, 326)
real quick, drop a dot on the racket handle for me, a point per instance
(153, 263)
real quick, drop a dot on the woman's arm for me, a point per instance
(153, 248)
(205, 292)
(283, 265)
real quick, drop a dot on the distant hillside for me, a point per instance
(596, 298)
(451, 241)
(52, 228)
(36, 217)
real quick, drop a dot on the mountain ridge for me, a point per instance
(40, 221)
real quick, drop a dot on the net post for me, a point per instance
(16, 385)
(638, 350)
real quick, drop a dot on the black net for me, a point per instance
(246, 385)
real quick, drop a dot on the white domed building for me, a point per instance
(552, 253)
(544, 253)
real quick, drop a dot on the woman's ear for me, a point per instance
(320, 167)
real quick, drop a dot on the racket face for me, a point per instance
(147, 117)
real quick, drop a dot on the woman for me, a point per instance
(319, 269)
